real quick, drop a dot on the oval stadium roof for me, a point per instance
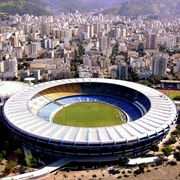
(161, 115)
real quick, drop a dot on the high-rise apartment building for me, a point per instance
(89, 29)
(104, 42)
(8, 68)
(171, 41)
(122, 71)
(115, 32)
(14, 41)
(48, 43)
(97, 28)
(151, 41)
(45, 28)
(33, 48)
(159, 66)
(176, 67)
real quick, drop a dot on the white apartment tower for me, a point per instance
(171, 41)
(48, 43)
(89, 29)
(8, 68)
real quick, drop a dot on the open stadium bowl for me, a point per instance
(28, 116)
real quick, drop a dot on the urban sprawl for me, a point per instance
(86, 45)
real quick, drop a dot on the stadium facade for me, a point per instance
(29, 116)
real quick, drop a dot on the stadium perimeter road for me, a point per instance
(163, 172)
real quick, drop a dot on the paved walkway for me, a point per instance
(134, 161)
(42, 172)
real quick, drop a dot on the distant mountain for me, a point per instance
(70, 6)
(142, 7)
(114, 7)
(44, 7)
(22, 7)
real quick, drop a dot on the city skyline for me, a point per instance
(100, 43)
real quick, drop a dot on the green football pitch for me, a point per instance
(89, 114)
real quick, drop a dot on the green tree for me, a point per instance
(123, 161)
(140, 50)
(154, 147)
(162, 47)
(1, 158)
(177, 131)
(20, 66)
(81, 50)
(10, 166)
(171, 140)
(20, 156)
(140, 47)
(31, 161)
(167, 151)
(114, 53)
(142, 53)
(142, 166)
(26, 65)
(176, 98)
(146, 83)
(133, 76)
(72, 68)
(4, 153)
(19, 151)
(6, 145)
(152, 80)
(125, 54)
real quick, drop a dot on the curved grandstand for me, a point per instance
(149, 114)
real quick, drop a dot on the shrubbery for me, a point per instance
(167, 151)
(176, 98)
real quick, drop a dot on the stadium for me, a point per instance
(147, 117)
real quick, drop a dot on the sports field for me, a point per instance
(88, 114)
(174, 94)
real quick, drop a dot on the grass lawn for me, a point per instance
(173, 94)
(88, 114)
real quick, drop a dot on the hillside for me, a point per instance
(114, 7)
(21, 7)
(44, 7)
(70, 6)
(142, 7)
